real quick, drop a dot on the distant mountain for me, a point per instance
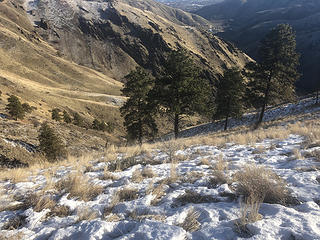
(246, 22)
(189, 5)
(114, 36)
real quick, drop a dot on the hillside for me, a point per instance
(246, 22)
(189, 5)
(33, 70)
(240, 184)
(115, 36)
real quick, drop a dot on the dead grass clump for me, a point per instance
(137, 176)
(158, 193)
(249, 213)
(193, 197)
(147, 172)
(259, 150)
(15, 223)
(297, 154)
(108, 175)
(79, 186)
(191, 223)
(192, 177)
(259, 183)
(219, 175)
(143, 215)
(86, 214)
(127, 194)
(122, 164)
(205, 161)
(315, 155)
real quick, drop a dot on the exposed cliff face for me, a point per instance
(246, 22)
(115, 36)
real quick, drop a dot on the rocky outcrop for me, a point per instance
(115, 36)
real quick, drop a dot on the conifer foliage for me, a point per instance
(15, 108)
(137, 111)
(273, 76)
(50, 144)
(230, 95)
(180, 90)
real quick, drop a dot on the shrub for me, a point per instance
(257, 182)
(27, 108)
(55, 114)
(78, 120)
(66, 117)
(50, 144)
(191, 223)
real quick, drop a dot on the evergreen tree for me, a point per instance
(66, 117)
(229, 98)
(15, 108)
(180, 90)
(78, 120)
(137, 112)
(272, 78)
(55, 114)
(50, 144)
(27, 108)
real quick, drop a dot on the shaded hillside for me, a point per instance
(246, 22)
(116, 36)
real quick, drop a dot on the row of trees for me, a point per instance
(16, 109)
(180, 89)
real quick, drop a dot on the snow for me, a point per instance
(216, 218)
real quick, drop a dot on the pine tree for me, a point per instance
(55, 114)
(230, 93)
(15, 108)
(180, 90)
(78, 120)
(274, 75)
(137, 112)
(96, 124)
(50, 144)
(66, 117)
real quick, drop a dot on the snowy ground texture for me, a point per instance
(147, 214)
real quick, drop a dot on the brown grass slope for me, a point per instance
(31, 69)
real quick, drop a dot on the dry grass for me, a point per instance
(143, 215)
(261, 184)
(315, 155)
(147, 172)
(108, 175)
(86, 214)
(79, 186)
(219, 174)
(249, 213)
(191, 223)
(14, 223)
(158, 192)
(297, 154)
(193, 197)
(127, 194)
(192, 176)
(137, 176)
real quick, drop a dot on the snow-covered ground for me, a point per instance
(303, 106)
(150, 215)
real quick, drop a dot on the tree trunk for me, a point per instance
(140, 133)
(176, 125)
(265, 102)
(226, 123)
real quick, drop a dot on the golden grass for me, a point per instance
(86, 214)
(261, 184)
(78, 186)
(158, 192)
(191, 223)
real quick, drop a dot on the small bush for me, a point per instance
(66, 117)
(78, 120)
(127, 194)
(55, 114)
(50, 144)
(262, 184)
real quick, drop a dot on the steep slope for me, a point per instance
(189, 5)
(32, 69)
(246, 22)
(116, 35)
